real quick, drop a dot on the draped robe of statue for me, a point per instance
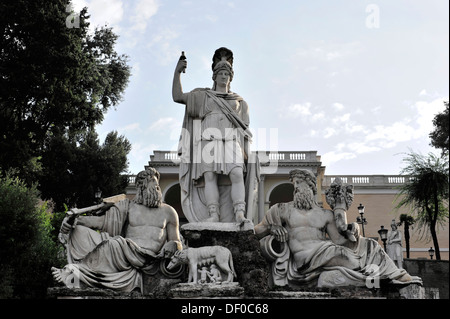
(107, 259)
(374, 263)
(214, 138)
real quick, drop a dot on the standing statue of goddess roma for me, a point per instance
(218, 177)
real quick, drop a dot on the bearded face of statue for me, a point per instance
(304, 197)
(148, 191)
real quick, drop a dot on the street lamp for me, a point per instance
(383, 235)
(431, 252)
(361, 220)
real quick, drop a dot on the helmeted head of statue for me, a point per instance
(222, 61)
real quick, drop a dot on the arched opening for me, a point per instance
(282, 193)
(173, 198)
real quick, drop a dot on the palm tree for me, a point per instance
(427, 192)
(407, 221)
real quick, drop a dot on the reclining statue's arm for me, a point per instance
(340, 198)
(93, 222)
(272, 224)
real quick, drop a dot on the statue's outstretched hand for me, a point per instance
(168, 250)
(181, 66)
(280, 233)
(67, 224)
(353, 232)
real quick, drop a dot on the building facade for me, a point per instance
(377, 193)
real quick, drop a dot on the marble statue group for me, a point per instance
(115, 244)
(320, 244)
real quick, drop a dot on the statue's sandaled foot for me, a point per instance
(214, 214)
(214, 218)
(66, 275)
(407, 279)
(240, 218)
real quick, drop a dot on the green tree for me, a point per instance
(440, 135)
(427, 192)
(53, 79)
(75, 167)
(27, 250)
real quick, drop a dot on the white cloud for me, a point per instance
(375, 139)
(166, 125)
(143, 11)
(299, 109)
(333, 157)
(361, 148)
(163, 47)
(388, 136)
(303, 110)
(341, 119)
(140, 152)
(426, 111)
(327, 51)
(318, 116)
(131, 128)
(397, 132)
(338, 106)
(354, 128)
(329, 132)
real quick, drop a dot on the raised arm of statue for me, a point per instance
(340, 198)
(177, 90)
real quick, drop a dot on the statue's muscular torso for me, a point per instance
(147, 227)
(307, 230)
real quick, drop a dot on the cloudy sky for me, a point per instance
(357, 81)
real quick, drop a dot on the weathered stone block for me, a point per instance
(251, 267)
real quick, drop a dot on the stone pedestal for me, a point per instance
(412, 291)
(213, 291)
(251, 267)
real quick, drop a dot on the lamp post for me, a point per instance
(361, 219)
(383, 235)
(431, 252)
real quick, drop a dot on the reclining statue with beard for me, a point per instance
(132, 237)
(310, 246)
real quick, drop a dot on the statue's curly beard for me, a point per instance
(150, 196)
(304, 198)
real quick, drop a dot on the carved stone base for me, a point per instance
(227, 227)
(251, 267)
(412, 291)
(92, 293)
(334, 279)
(223, 290)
